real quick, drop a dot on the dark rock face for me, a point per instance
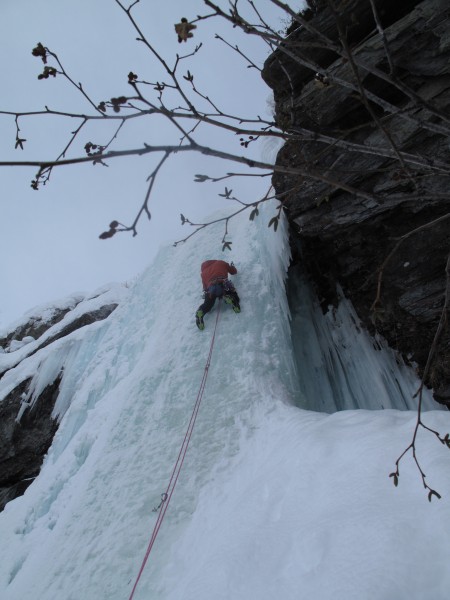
(24, 444)
(85, 319)
(26, 432)
(372, 145)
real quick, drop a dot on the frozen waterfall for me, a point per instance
(283, 494)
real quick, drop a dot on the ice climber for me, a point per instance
(216, 284)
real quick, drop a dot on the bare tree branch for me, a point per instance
(445, 440)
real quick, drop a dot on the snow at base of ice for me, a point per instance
(274, 501)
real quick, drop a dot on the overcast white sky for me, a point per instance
(49, 244)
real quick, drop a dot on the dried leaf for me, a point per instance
(201, 178)
(395, 476)
(433, 493)
(254, 213)
(47, 72)
(40, 51)
(226, 194)
(107, 234)
(19, 143)
(274, 221)
(184, 29)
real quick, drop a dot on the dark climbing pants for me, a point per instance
(218, 292)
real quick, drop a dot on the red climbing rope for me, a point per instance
(166, 497)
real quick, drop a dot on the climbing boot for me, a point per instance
(199, 320)
(234, 305)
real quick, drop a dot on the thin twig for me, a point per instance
(382, 33)
(237, 49)
(144, 208)
(419, 423)
(78, 86)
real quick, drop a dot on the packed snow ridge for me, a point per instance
(285, 490)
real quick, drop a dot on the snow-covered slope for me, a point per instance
(274, 501)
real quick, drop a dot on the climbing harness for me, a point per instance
(167, 495)
(218, 287)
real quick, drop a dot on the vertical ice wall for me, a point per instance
(127, 392)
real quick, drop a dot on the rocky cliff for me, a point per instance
(31, 380)
(362, 92)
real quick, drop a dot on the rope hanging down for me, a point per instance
(166, 497)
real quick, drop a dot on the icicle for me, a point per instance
(340, 365)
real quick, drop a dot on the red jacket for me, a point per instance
(212, 270)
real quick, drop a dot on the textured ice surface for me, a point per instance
(274, 501)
